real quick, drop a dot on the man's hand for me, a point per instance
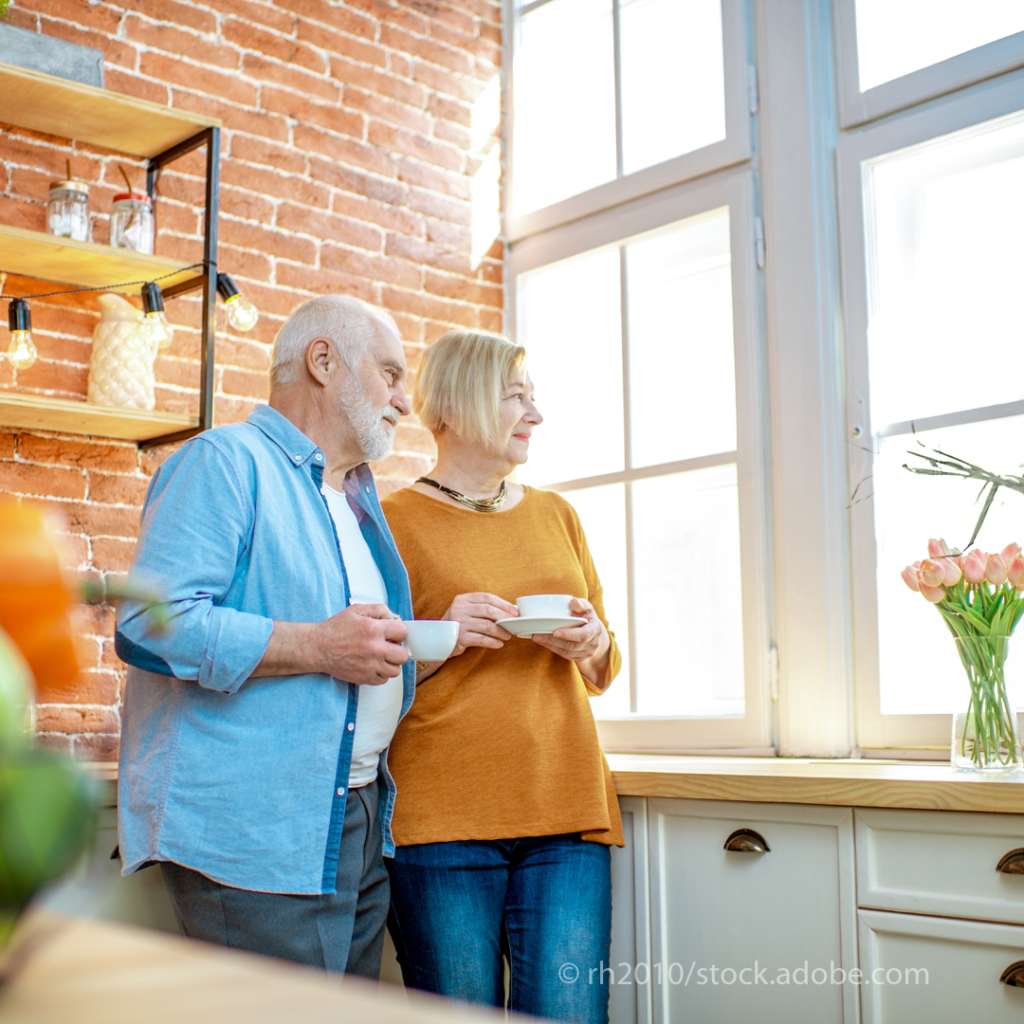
(362, 644)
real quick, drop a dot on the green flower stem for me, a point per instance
(981, 619)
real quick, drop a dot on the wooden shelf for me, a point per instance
(60, 414)
(86, 264)
(57, 106)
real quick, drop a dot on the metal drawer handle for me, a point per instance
(746, 840)
(1014, 975)
(1012, 863)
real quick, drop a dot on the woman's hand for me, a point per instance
(587, 645)
(477, 616)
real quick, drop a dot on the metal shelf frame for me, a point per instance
(207, 280)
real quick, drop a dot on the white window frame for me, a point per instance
(735, 148)
(986, 102)
(751, 733)
(857, 107)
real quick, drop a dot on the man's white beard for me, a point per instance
(373, 435)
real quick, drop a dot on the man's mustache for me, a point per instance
(389, 412)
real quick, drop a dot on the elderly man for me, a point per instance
(256, 724)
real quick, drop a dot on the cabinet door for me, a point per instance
(742, 936)
(917, 968)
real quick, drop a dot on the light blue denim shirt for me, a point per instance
(243, 779)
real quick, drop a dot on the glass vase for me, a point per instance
(985, 737)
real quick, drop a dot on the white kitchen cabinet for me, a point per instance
(741, 936)
(629, 1002)
(920, 968)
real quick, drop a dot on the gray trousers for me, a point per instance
(342, 932)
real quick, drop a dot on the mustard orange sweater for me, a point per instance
(502, 743)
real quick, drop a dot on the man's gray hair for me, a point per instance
(347, 321)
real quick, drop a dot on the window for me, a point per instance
(730, 342)
(932, 219)
(640, 350)
(894, 55)
(646, 92)
(634, 288)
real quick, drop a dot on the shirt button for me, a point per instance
(298, 458)
(341, 791)
(351, 726)
(319, 457)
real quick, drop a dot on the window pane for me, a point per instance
(569, 319)
(689, 630)
(896, 37)
(919, 670)
(946, 221)
(673, 79)
(602, 511)
(564, 95)
(680, 331)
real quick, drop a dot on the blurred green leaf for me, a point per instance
(15, 693)
(47, 818)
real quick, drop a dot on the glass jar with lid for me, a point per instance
(67, 212)
(131, 222)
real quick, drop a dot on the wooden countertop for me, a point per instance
(785, 780)
(79, 971)
(844, 783)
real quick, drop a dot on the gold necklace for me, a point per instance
(477, 504)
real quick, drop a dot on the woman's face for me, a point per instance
(517, 418)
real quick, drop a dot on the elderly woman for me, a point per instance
(506, 809)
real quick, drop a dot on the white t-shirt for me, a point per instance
(379, 706)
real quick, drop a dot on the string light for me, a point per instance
(242, 314)
(21, 352)
(155, 322)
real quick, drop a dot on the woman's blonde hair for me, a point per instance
(459, 384)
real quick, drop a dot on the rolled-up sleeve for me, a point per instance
(196, 530)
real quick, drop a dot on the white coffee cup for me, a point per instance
(430, 639)
(544, 606)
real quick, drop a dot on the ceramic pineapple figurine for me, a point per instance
(123, 351)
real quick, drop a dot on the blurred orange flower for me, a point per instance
(36, 599)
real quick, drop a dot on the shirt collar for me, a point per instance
(298, 448)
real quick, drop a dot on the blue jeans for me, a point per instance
(543, 903)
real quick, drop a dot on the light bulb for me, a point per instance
(157, 328)
(242, 314)
(21, 352)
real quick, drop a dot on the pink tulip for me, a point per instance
(933, 594)
(1015, 573)
(1009, 553)
(953, 571)
(938, 548)
(910, 578)
(995, 571)
(932, 574)
(974, 566)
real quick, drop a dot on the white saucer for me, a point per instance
(526, 627)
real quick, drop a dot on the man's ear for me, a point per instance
(320, 358)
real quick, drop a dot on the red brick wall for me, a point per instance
(355, 139)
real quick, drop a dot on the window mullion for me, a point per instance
(627, 455)
(616, 41)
